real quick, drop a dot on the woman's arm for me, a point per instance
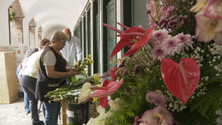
(50, 71)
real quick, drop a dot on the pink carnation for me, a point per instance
(159, 35)
(157, 52)
(186, 39)
(171, 46)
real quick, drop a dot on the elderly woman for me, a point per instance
(51, 70)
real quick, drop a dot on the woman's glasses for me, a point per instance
(64, 42)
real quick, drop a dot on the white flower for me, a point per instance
(114, 104)
(84, 92)
(100, 119)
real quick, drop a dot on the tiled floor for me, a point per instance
(14, 114)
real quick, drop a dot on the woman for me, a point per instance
(28, 78)
(18, 69)
(52, 70)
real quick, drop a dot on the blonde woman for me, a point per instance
(52, 69)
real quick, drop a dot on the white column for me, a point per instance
(83, 39)
(101, 35)
(36, 36)
(119, 14)
(92, 34)
(87, 37)
(26, 33)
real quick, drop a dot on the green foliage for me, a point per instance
(11, 15)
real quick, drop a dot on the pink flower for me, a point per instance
(204, 36)
(163, 13)
(157, 52)
(208, 28)
(170, 8)
(136, 120)
(184, 38)
(158, 116)
(214, 9)
(208, 24)
(122, 63)
(151, 7)
(105, 91)
(124, 72)
(159, 35)
(155, 43)
(153, 18)
(170, 45)
(160, 100)
(151, 97)
(144, 123)
(166, 117)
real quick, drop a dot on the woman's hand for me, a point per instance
(72, 73)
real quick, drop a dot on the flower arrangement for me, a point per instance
(83, 65)
(171, 74)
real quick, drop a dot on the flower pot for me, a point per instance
(77, 114)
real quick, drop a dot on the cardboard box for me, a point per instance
(8, 78)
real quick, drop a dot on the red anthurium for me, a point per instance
(120, 45)
(126, 27)
(140, 43)
(132, 34)
(104, 91)
(114, 86)
(102, 101)
(125, 39)
(112, 72)
(182, 78)
(113, 28)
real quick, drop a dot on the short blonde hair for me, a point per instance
(59, 35)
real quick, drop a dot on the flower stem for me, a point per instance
(147, 55)
(156, 10)
(144, 56)
(123, 93)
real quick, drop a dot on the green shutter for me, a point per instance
(111, 35)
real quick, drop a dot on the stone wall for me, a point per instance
(16, 25)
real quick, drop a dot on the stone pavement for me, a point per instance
(14, 114)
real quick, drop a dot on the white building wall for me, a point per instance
(4, 29)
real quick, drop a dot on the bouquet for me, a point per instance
(171, 74)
